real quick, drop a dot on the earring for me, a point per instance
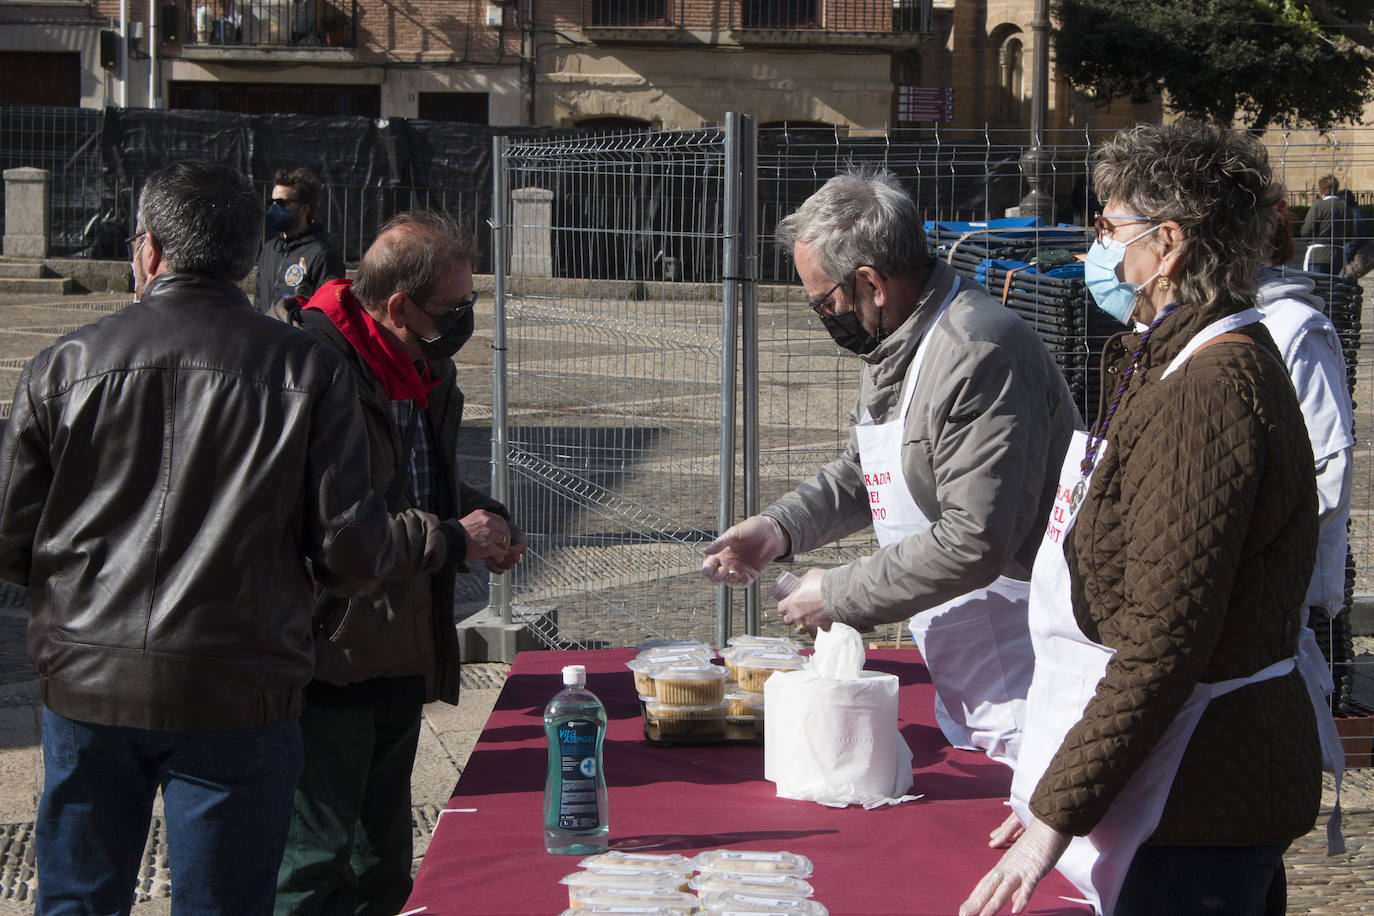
(1163, 284)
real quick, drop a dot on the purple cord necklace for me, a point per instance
(1099, 430)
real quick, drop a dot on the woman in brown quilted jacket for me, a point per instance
(1171, 748)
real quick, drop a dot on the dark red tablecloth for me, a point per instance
(918, 858)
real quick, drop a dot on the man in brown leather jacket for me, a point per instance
(169, 479)
(398, 326)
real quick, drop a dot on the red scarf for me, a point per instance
(392, 366)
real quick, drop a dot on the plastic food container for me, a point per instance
(583, 909)
(753, 667)
(743, 715)
(777, 643)
(644, 666)
(624, 880)
(753, 902)
(748, 861)
(689, 685)
(669, 646)
(638, 861)
(647, 901)
(765, 885)
(668, 722)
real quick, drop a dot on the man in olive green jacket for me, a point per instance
(378, 660)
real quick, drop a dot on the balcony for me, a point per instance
(631, 21)
(252, 28)
(884, 23)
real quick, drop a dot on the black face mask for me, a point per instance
(849, 333)
(454, 328)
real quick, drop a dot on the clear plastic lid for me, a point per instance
(747, 861)
(670, 901)
(771, 659)
(751, 882)
(639, 861)
(640, 663)
(686, 647)
(757, 904)
(673, 645)
(626, 879)
(780, 643)
(649, 909)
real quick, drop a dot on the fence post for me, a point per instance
(531, 222)
(747, 151)
(500, 481)
(26, 213)
(729, 338)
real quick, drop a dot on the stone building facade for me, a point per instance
(658, 63)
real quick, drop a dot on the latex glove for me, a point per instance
(740, 554)
(489, 537)
(1006, 833)
(1020, 869)
(514, 552)
(804, 608)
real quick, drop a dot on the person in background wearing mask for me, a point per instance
(170, 477)
(961, 421)
(297, 256)
(379, 659)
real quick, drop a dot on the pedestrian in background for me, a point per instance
(1328, 227)
(397, 326)
(170, 478)
(298, 255)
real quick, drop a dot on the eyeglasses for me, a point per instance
(463, 305)
(132, 243)
(818, 305)
(284, 202)
(1102, 224)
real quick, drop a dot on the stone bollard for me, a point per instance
(531, 232)
(26, 213)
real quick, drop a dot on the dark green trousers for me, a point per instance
(349, 851)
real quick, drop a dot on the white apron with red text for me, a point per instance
(976, 646)
(1068, 667)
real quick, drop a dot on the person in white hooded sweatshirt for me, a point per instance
(1312, 352)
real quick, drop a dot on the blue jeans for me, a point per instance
(1205, 881)
(227, 800)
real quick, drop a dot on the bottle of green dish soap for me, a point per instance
(575, 817)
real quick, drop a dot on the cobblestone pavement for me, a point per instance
(1318, 884)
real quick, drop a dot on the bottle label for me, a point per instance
(577, 801)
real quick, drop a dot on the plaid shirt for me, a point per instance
(422, 470)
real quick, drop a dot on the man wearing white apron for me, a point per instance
(1068, 668)
(962, 419)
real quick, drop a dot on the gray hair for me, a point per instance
(206, 217)
(410, 254)
(1215, 183)
(856, 219)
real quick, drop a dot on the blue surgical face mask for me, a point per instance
(1115, 297)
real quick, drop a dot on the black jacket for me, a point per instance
(296, 266)
(165, 476)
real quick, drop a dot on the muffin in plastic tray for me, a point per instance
(644, 668)
(651, 901)
(748, 861)
(620, 862)
(689, 685)
(672, 724)
(753, 667)
(751, 883)
(753, 902)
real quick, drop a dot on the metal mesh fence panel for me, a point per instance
(615, 382)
